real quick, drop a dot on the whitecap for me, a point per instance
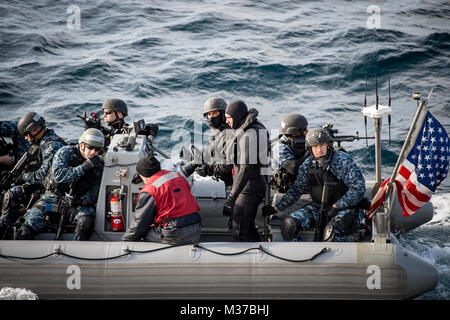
(8, 293)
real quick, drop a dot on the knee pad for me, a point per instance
(85, 227)
(7, 201)
(328, 232)
(343, 225)
(290, 228)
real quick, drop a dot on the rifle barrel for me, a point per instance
(350, 138)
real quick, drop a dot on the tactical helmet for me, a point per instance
(214, 104)
(29, 122)
(293, 123)
(93, 137)
(317, 136)
(116, 105)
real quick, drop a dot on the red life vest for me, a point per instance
(172, 195)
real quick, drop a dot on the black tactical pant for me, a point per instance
(244, 214)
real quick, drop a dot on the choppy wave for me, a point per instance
(165, 59)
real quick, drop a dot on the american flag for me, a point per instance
(425, 167)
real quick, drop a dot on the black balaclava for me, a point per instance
(148, 166)
(218, 121)
(238, 111)
(298, 146)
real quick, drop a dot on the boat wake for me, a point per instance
(8, 293)
(435, 250)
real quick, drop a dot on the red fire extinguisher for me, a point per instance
(116, 213)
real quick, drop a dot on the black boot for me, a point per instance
(3, 228)
(25, 233)
(85, 228)
(6, 231)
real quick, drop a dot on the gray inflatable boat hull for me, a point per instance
(345, 271)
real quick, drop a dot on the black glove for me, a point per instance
(87, 166)
(204, 170)
(19, 180)
(268, 211)
(332, 212)
(136, 179)
(189, 168)
(228, 206)
(71, 201)
(97, 162)
(92, 163)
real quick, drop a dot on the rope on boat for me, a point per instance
(127, 251)
(26, 258)
(58, 252)
(261, 248)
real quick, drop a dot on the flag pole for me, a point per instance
(406, 143)
(408, 137)
(400, 159)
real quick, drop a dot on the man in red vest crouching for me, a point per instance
(166, 211)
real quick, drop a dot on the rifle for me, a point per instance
(12, 176)
(93, 122)
(65, 212)
(267, 203)
(323, 214)
(346, 138)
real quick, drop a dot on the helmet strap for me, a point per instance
(118, 123)
(33, 136)
(83, 151)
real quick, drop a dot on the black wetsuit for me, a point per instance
(249, 184)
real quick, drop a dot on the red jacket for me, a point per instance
(172, 195)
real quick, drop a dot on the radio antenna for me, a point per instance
(365, 105)
(389, 105)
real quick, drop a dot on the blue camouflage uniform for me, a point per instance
(63, 172)
(288, 151)
(287, 157)
(9, 129)
(345, 169)
(284, 153)
(49, 144)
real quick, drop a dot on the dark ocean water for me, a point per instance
(165, 58)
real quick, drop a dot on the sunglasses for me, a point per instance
(108, 112)
(93, 148)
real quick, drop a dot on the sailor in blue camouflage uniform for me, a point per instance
(73, 182)
(294, 128)
(32, 127)
(114, 113)
(291, 151)
(345, 200)
(12, 145)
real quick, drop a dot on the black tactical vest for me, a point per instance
(213, 146)
(77, 188)
(284, 177)
(317, 176)
(35, 163)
